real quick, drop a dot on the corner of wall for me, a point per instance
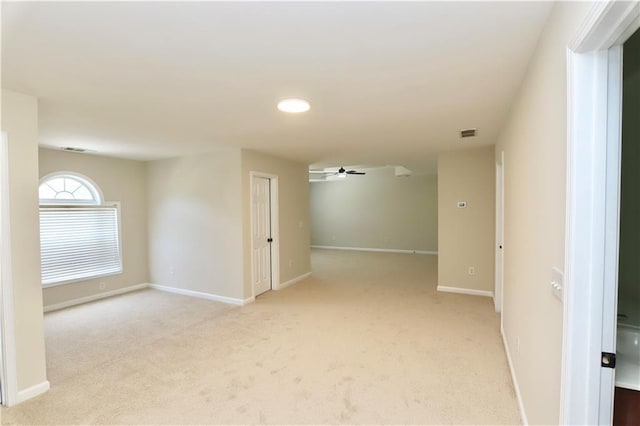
(293, 210)
(466, 220)
(20, 121)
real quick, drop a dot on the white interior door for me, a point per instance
(8, 383)
(497, 299)
(3, 144)
(261, 234)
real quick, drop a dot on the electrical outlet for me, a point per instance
(102, 286)
(472, 270)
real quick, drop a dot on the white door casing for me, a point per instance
(8, 367)
(594, 84)
(261, 234)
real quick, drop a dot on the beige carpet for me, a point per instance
(366, 340)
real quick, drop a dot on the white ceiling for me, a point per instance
(389, 83)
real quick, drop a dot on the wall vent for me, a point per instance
(72, 149)
(467, 133)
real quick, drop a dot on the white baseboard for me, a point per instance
(32, 392)
(293, 281)
(470, 291)
(377, 250)
(201, 295)
(81, 300)
(523, 413)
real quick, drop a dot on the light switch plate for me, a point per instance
(557, 283)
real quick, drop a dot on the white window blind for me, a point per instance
(78, 243)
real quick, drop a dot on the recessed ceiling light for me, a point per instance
(294, 105)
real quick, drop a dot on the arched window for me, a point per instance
(68, 189)
(79, 232)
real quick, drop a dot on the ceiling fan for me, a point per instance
(341, 172)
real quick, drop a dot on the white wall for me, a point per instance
(199, 221)
(534, 144)
(20, 121)
(293, 191)
(120, 180)
(377, 210)
(195, 223)
(466, 236)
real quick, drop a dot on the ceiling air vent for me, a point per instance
(467, 133)
(72, 149)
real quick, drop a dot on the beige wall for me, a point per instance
(534, 145)
(20, 121)
(377, 210)
(466, 236)
(120, 180)
(199, 221)
(293, 191)
(195, 223)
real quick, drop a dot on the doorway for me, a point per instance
(497, 299)
(594, 65)
(627, 373)
(264, 241)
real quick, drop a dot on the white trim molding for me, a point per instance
(381, 250)
(293, 281)
(201, 295)
(87, 299)
(608, 23)
(585, 239)
(469, 291)
(514, 380)
(32, 392)
(9, 373)
(168, 289)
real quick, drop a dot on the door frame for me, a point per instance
(499, 256)
(275, 228)
(8, 366)
(594, 97)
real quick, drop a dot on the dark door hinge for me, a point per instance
(608, 360)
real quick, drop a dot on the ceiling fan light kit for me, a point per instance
(341, 172)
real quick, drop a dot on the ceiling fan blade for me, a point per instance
(326, 172)
(353, 172)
